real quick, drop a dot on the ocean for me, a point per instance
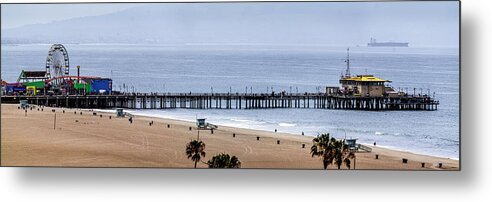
(262, 68)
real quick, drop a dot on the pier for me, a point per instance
(55, 87)
(231, 101)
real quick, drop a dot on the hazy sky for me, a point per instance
(16, 15)
(421, 23)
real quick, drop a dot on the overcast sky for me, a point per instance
(16, 15)
(420, 23)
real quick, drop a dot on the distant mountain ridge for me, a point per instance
(175, 23)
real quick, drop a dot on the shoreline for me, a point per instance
(284, 133)
(94, 141)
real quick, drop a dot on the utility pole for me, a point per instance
(355, 161)
(78, 74)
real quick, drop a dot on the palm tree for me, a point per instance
(322, 148)
(224, 161)
(342, 153)
(195, 150)
(331, 150)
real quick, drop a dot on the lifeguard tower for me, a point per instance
(23, 104)
(354, 147)
(119, 112)
(201, 124)
(352, 144)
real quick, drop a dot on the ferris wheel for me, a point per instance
(57, 64)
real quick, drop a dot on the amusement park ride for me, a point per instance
(56, 79)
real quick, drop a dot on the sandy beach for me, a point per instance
(85, 140)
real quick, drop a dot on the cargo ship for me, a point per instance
(374, 43)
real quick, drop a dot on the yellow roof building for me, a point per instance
(363, 85)
(364, 78)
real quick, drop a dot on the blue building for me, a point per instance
(102, 86)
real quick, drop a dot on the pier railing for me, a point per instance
(232, 101)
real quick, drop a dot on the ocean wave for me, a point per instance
(240, 120)
(287, 124)
(380, 133)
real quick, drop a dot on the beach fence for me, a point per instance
(233, 101)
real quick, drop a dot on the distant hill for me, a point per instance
(184, 23)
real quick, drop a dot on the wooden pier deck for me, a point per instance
(231, 101)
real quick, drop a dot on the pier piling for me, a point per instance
(232, 101)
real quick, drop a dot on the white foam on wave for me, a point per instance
(380, 133)
(240, 120)
(287, 124)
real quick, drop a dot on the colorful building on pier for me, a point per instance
(363, 85)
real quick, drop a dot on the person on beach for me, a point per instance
(374, 143)
(130, 119)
